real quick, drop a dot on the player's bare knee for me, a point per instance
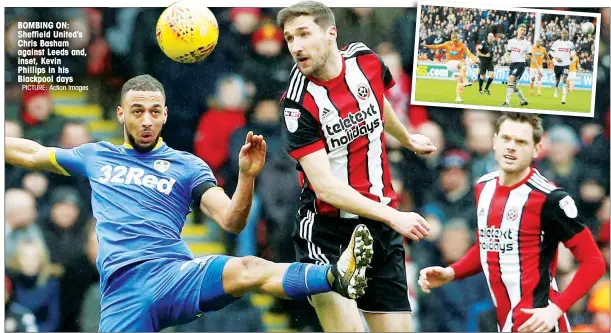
(252, 271)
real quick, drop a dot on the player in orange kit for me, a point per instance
(536, 65)
(455, 63)
(574, 68)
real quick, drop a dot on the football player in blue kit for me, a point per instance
(142, 192)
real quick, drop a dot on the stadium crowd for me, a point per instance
(473, 25)
(50, 243)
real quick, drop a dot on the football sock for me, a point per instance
(301, 280)
(509, 93)
(564, 93)
(519, 93)
(481, 82)
(489, 82)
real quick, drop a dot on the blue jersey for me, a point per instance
(140, 200)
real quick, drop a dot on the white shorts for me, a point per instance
(452, 66)
(572, 76)
(533, 73)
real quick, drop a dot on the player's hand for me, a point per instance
(420, 144)
(410, 225)
(252, 155)
(541, 319)
(433, 277)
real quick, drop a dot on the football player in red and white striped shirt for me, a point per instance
(521, 219)
(335, 118)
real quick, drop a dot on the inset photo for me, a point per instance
(506, 59)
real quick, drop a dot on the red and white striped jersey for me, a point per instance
(519, 229)
(345, 117)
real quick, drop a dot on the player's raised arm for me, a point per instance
(331, 190)
(415, 142)
(31, 155)
(562, 221)
(438, 46)
(232, 214)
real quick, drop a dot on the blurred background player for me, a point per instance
(141, 193)
(516, 53)
(485, 51)
(561, 57)
(521, 220)
(335, 113)
(536, 66)
(574, 69)
(454, 51)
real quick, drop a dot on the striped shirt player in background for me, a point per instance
(335, 114)
(142, 192)
(574, 69)
(521, 219)
(456, 62)
(561, 56)
(536, 66)
(516, 53)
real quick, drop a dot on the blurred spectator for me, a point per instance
(236, 45)
(80, 274)
(217, 124)
(598, 305)
(480, 136)
(13, 175)
(411, 116)
(35, 283)
(74, 134)
(420, 172)
(37, 119)
(454, 193)
(561, 167)
(268, 68)
(63, 231)
(366, 25)
(457, 300)
(17, 317)
(21, 214)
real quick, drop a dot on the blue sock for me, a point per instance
(302, 280)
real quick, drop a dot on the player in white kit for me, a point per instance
(561, 57)
(516, 53)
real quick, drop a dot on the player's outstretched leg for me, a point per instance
(298, 280)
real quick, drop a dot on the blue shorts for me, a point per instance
(152, 295)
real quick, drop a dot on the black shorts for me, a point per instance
(561, 70)
(517, 69)
(486, 66)
(321, 240)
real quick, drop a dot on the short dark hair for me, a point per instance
(533, 119)
(323, 15)
(143, 82)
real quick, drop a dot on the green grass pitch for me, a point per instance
(444, 91)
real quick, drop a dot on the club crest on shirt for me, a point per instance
(161, 165)
(512, 214)
(568, 206)
(362, 91)
(291, 118)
